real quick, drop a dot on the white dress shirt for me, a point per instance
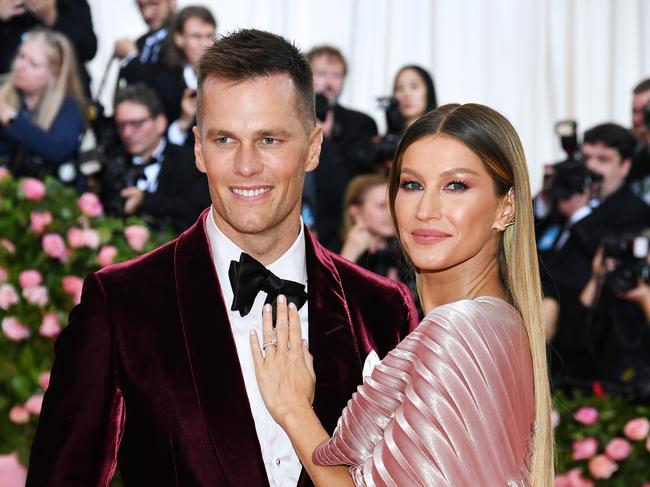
(150, 181)
(280, 459)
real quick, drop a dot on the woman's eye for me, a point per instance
(456, 186)
(410, 185)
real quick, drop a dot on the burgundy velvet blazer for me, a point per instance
(146, 374)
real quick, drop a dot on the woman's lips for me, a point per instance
(428, 237)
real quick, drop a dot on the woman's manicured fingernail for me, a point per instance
(292, 305)
(268, 307)
(282, 299)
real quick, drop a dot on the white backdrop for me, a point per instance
(536, 61)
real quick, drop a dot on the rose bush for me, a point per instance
(601, 441)
(50, 239)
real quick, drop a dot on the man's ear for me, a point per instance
(627, 166)
(505, 215)
(198, 150)
(313, 154)
(161, 124)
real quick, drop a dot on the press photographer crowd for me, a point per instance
(593, 213)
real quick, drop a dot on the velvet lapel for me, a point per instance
(332, 339)
(214, 362)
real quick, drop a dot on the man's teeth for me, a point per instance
(249, 193)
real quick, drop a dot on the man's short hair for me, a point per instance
(249, 54)
(329, 51)
(142, 94)
(614, 136)
(642, 87)
(174, 56)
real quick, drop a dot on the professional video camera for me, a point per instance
(386, 146)
(630, 252)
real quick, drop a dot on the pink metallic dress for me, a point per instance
(451, 405)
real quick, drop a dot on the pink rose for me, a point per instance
(50, 326)
(583, 449)
(572, 478)
(14, 330)
(13, 472)
(637, 429)
(11, 248)
(587, 415)
(601, 467)
(3, 275)
(76, 238)
(72, 285)
(33, 189)
(54, 246)
(92, 238)
(618, 449)
(136, 236)
(8, 296)
(44, 379)
(4, 172)
(39, 220)
(36, 295)
(19, 415)
(34, 404)
(30, 278)
(90, 205)
(106, 255)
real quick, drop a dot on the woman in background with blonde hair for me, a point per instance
(41, 106)
(464, 399)
(368, 232)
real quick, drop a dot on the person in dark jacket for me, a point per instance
(70, 17)
(41, 107)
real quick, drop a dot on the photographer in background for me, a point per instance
(147, 176)
(139, 57)
(70, 17)
(639, 176)
(349, 131)
(41, 107)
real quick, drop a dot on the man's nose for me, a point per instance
(247, 161)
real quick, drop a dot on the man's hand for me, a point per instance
(10, 9)
(134, 198)
(43, 10)
(125, 47)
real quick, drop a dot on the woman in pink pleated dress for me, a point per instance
(464, 399)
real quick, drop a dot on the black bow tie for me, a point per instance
(248, 277)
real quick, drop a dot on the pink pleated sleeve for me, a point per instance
(451, 405)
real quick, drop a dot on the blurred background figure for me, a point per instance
(639, 175)
(415, 93)
(42, 108)
(146, 176)
(138, 56)
(70, 17)
(193, 30)
(368, 232)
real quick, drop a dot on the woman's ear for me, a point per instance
(355, 213)
(505, 212)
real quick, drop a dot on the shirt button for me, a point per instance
(277, 461)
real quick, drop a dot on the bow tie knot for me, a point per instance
(248, 277)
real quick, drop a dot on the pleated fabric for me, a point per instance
(451, 405)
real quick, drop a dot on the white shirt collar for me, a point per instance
(579, 215)
(160, 148)
(291, 265)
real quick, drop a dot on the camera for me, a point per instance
(386, 146)
(631, 252)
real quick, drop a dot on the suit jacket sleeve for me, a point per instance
(75, 21)
(453, 404)
(80, 425)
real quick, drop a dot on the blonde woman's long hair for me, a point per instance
(489, 135)
(61, 58)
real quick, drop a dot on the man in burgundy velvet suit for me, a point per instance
(154, 371)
